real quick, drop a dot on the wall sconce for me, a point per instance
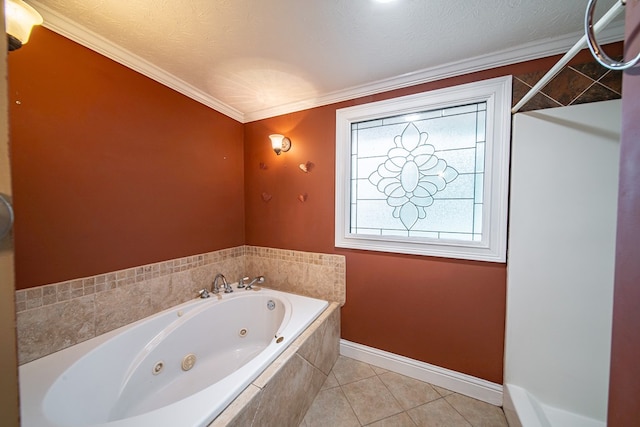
(280, 143)
(19, 18)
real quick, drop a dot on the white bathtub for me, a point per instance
(139, 375)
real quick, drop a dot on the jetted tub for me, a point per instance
(180, 367)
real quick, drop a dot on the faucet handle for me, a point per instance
(258, 279)
(241, 282)
(203, 293)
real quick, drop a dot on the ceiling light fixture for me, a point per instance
(19, 19)
(280, 143)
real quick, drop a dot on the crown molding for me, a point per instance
(522, 53)
(85, 37)
(534, 50)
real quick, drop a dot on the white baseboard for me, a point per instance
(455, 381)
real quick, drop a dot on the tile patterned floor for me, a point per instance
(357, 394)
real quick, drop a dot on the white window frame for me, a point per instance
(493, 246)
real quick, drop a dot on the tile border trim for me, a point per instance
(52, 293)
(48, 294)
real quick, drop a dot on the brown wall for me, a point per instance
(446, 312)
(624, 387)
(111, 169)
(449, 313)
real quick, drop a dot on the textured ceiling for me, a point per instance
(255, 58)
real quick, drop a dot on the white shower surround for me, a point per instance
(561, 265)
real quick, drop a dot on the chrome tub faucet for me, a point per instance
(215, 288)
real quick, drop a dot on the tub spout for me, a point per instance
(258, 279)
(215, 288)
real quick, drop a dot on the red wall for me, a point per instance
(624, 387)
(111, 169)
(445, 312)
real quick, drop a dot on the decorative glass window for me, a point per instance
(427, 173)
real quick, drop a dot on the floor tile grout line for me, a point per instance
(461, 414)
(390, 416)
(396, 399)
(403, 410)
(393, 395)
(375, 374)
(350, 404)
(418, 405)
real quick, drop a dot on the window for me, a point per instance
(427, 173)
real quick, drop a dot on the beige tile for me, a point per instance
(478, 413)
(162, 294)
(442, 391)
(47, 329)
(400, 420)
(370, 400)
(408, 392)
(63, 292)
(76, 288)
(232, 268)
(330, 382)
(326, 358)
(330, 408)
(256, 266)
(276, 366)
(201, 277)
(289, 394)
(303, 273)
(34, 300)
(378, 370)
(312, 339)
(437, 414)
(290, 276)
(121, 306)
(181, 283)
(348, 370)
(317, 282)
(49, 295)
(241, 411)
(34, 293)
(21, 295)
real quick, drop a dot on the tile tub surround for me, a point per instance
(283, 393)
(320, 276)
(56, 316)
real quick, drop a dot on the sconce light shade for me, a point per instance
(19, 18)
(280, 143)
